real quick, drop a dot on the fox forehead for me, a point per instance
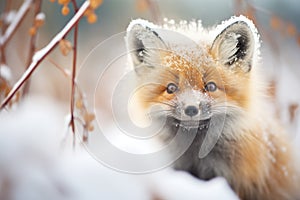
(195, 70)
(194, 63)
(182, 56)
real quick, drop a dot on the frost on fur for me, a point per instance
(233, 43)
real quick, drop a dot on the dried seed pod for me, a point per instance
(90, 128)
(92, 18)
(88, 117)
(95, 3)
(65, 10)
(275, 22)
(32, 31)
(63, 2)
(65, 47)
(291, 29)
(79, 104)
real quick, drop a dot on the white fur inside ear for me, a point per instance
(143, 42)
(236, 43)
(228, 48)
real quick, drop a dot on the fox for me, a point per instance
(210, 90)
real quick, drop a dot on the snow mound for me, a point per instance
(34, 166)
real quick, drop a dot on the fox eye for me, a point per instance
(210, 87)
(171, 88)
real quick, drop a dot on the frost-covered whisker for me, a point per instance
(158, 112)
(224, 107)
(170, 103)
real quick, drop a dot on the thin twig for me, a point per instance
(4, 27)
(33, 39)
(37, 10)
(79, 92)
(73, 86)
(63, 71)
(41, 54)
(68, 75)
(20, 16)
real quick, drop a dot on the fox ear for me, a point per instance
(144, 44)
(234, 46)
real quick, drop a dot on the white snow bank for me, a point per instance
(177, 185)
(33, 166)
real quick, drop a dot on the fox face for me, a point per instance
(190, 86)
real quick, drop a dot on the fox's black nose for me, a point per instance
(191, 111)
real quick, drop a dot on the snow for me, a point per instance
(10, 16)
(33, 165)
(40, 16)
(5, 72)
(180, 185)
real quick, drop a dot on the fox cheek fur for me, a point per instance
(214, 90)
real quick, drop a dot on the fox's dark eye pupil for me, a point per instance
(171, 88)
(211, 87)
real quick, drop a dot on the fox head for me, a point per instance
(192, 83)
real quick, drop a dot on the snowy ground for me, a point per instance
(34, 166)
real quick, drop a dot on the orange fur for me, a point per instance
(264, 171)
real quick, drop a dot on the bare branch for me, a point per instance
(33, 39)
(41, 54)
(15, 23)
(4, 27)
(73, 85)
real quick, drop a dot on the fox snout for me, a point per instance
(191, 111)
(193, 105)
(194, 112)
